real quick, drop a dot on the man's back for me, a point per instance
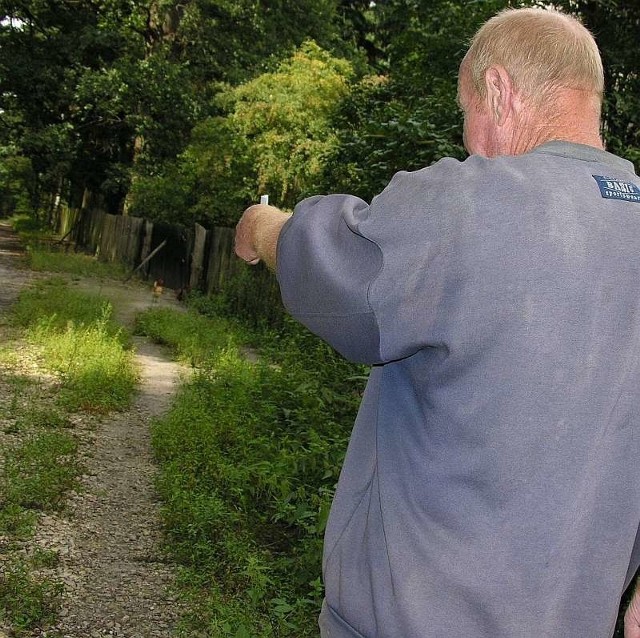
(491, 484)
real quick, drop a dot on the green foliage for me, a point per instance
(408, 118)
(169, 196)
(284, 118)
(189, 110)
(81, 343)
(615, 26)
(192, 337)
(274, 138)
(91, 89)
(36, 474)
(26, 601)
(234, 40)
(219, 165)
(250, 294)
(44, 49)
(16, 183)
(250, 454)
(383, 131)
(26, 225)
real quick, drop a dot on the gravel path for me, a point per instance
(108, 538)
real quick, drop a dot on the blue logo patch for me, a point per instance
(611, 188)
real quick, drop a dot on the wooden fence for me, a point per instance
(197, 259)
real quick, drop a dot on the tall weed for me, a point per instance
(193, 338)
(98, 374)
(43, 258)
(80, 341)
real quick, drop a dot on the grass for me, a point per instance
(193, 338)
(55, 302)
(42, 258)
(27, 601)
(37, 473)
(37, 468)
(81, 343)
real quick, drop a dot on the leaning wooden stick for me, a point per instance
(144, 261)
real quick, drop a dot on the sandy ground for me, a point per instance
(116, 578)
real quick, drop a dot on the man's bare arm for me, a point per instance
(257, 234)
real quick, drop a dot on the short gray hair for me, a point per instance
(542, 50)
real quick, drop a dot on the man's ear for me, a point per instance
(499, 93)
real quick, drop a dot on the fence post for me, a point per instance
(197, 256)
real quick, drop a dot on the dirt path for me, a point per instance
(108, 538)
(13, 273)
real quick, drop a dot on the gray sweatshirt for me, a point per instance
(491, 488)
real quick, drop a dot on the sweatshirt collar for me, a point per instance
(585, 153)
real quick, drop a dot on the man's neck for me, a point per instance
(573, 118)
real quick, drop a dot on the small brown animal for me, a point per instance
(157, 288)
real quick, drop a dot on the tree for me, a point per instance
(45, 49)
(407, 118)
(95, 92)
(274, 139)
(95, 87)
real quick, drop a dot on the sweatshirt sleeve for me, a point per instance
(325, 267)
(376, 281)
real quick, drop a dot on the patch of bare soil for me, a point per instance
(116, 578)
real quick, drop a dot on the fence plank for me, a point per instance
(197, 256)
(213, 269)
(134, 240)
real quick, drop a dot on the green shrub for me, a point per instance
(252, 295)
(25, 224)
(250, 454)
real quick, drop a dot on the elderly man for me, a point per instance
(491, 488)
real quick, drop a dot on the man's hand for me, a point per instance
(257, 234)
(632, 617)
(245, 230)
